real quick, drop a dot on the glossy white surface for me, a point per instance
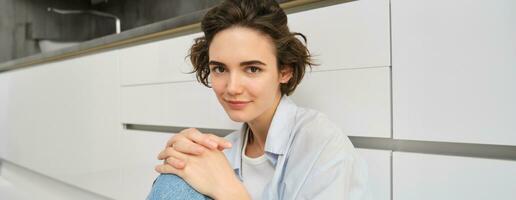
(429, 177)
(454, 72)
(139, 156)
(379, 164)
(357, 100)
(18, 183)
(349, 35)
(185, 104)
(9, 191)
(4, 104)
(63, 121)
(157, 62)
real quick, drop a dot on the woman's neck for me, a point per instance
(260, 128)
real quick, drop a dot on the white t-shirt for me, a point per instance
(256, 172)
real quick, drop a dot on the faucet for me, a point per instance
(93, 12)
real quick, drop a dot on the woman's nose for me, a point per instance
(234, 85)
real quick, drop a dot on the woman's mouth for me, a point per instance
(237, 105)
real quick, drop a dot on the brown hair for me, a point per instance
(265, 16)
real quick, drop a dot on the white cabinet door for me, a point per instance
(4, 105)
(139, 157)
(185, 104)
(157, 62)
(454, 69)
(379, 165)
(348, 35)
(429, 177)
(62, 121)
(357, 100)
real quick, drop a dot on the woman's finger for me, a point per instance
(219, 140)
(188, 147)
(174, 139)
(178, 164)
(171, 152)
(199, 138)
(193, 135)
(167, 169)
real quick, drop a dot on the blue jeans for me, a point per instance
(173, 187)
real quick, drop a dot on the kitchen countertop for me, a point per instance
(184, 23)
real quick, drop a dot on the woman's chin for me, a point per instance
(238, 117)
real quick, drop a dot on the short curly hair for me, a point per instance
(265, 16)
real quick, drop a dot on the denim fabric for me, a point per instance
(173, 187)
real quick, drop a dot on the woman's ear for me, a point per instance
(285, 74)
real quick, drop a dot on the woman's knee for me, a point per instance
(171, 187)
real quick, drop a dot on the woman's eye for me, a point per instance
(253, 69)
(218, 69)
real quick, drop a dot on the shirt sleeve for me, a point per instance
(338, 173)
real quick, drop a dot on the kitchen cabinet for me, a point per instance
(453, 71)
(425, 177)
(349, 35)
(357, 100)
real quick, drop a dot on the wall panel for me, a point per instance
(424, 176)
(453, 72)
(357, 100)
(349, 35)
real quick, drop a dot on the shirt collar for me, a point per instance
(278, 136)
(281, 127)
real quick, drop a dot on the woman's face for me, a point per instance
(244, 73)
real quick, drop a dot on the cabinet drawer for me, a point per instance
(138, 158)
(358, 100)
(425, 177)
(157, 62)
(184, 104)
(4, 106)
(62, 121)
(454, 73)
(379, 173)
(348, 35)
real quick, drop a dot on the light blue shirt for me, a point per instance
(313, 159)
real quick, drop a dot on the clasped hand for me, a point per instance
(199, 160)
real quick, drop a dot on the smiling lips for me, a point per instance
(237, 105)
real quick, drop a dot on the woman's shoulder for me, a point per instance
(316, 128)
(318, 147)
(309, 121)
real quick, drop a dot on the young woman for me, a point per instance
(253, 62)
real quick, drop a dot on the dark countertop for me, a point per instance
(189, 22)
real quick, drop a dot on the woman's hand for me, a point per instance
(190, 141)
(209, 173)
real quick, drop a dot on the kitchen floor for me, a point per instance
(9, 191)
